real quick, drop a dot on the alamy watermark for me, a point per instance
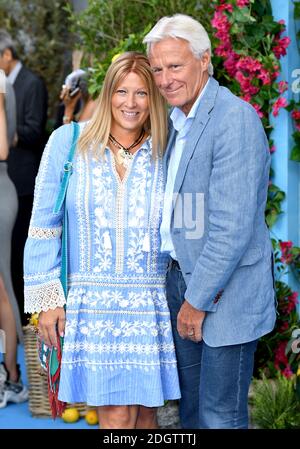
(189, 214)
(296, 82)
(2, 341)
(2, 82)
(295, 346)
(186, 209)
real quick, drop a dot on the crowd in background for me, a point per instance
(23, 118)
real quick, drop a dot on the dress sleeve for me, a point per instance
(42, 253)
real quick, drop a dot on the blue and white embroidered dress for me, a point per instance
(118, 346)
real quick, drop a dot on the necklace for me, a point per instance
(123, 156)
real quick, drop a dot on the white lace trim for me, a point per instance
(42, 297)
(44, 233)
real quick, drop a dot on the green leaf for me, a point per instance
(296, 10)
(295, 154)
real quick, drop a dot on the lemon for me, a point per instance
(70, 415)
(91, 417)
(34, 319)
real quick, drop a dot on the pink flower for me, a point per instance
(223, 49)
(242, 3)
(246, 97)
(296, 114)
(257, 107)
(286, 256)
(293, 301)
(220, 22)
(284, 326)
(281, 102)
(245, 83)
(282, 44)
(230, 63)
(272, 149)
(285, 245)
(280, 357)
(225, 7)
(249, 64)
(264, 75)
(287, 372)
(282, 86)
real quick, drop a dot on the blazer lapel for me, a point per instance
(197, 128)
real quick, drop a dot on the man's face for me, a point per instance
(5, 61)
(178, 74)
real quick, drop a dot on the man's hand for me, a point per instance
(189, 322)
(47, 325)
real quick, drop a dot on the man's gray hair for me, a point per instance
(181, 26)
(6, 41)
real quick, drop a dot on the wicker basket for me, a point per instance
(37, 381)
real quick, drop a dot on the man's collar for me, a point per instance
(14, 73)
(178, 117)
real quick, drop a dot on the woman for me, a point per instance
(118, 349)
(11, 387)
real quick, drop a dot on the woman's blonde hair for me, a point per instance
(96, 132)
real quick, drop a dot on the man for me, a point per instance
(220, 278)
(24, 157)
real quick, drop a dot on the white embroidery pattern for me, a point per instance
(44, 233)
(42, 277)
(156, 211)
(80, 212)
(87, 213)
(108, 298)
(124, 329)
(103, 197)
(122, 348)
(43, 297)
(125, 364)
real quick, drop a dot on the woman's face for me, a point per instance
(130, 104)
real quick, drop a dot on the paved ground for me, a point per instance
(168, 417)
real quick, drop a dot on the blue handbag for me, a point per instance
(50, 358)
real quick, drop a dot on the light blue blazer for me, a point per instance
(222, 180)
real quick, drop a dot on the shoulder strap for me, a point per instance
(68, 167)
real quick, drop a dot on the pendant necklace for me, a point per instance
(123, 156)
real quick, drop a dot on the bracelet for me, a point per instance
(67, 119)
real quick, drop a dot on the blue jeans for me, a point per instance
(214, 381)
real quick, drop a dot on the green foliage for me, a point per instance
(275, 404)
(273, 208)
(106, 28)
(275, 351)
(297, 10)
(40, 31)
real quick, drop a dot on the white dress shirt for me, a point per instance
(14, 73)
(182, 125)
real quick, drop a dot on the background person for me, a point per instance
(11, 387)
(77, 104)
(24, 156)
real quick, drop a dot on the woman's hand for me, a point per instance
(47, 325)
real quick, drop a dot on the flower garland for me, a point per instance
(248, 45)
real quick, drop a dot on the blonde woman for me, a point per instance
(118, 350)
